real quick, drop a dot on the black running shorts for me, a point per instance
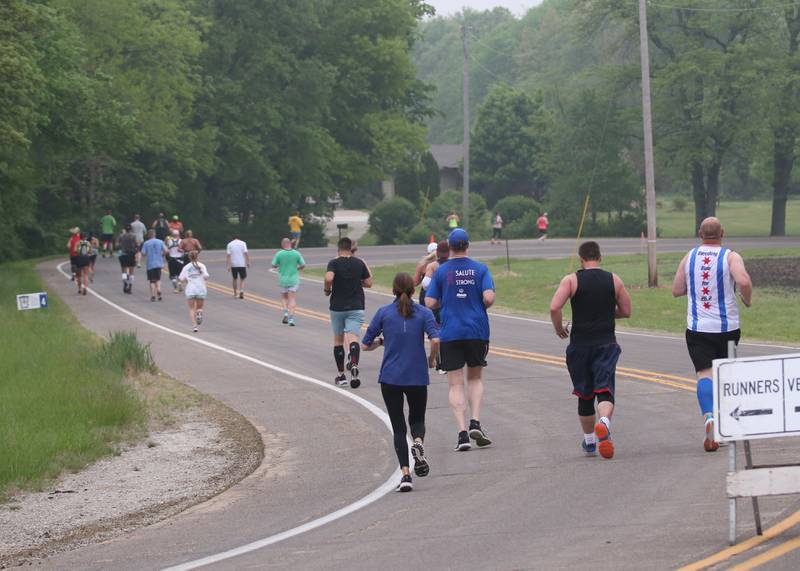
(239, 273)
(705, 347)
(127, 260)
(592, 369)
(82, 261)
(154, 275)
(175, 267)
(470, 352)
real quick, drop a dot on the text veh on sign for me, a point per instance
(757, 397)
(32, 300)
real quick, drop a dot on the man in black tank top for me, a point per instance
(597, 298)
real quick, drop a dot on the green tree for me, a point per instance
(590, 134)
(511, 137)
(391, 220)
(420, 182)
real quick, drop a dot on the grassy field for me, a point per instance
(63, 398)
(775, 314)
(740, 218)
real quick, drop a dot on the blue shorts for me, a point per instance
(592, 368)
(295, 235)
(347, 321)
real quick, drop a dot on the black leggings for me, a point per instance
(417, 397)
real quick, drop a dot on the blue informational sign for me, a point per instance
(32, 301)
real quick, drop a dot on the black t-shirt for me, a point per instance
(162, 228)
(347, 292)
(127, 243)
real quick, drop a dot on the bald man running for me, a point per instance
(710, 275)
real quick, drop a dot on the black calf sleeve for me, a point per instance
(355, 352)
(338, 355)
(585, 407)
(605, 397)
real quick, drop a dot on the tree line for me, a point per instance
(230, 113)
(557, 104)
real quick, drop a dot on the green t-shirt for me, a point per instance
(287, 262)
(107, 224)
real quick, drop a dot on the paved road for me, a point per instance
(553, 248)
(530, 502)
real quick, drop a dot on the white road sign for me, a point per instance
(32, 300)
(757, 397)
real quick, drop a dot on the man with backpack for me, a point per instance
(161, 226)
(128, 246)
(83, 253)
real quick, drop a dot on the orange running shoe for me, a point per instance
(604, 444)
(709, 444)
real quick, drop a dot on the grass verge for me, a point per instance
(775, 315)
(741, 218)
(64, 401)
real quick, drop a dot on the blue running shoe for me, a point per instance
(590, 449)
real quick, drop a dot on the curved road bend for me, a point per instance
(532, 501)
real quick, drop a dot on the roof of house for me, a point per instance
(447, 156)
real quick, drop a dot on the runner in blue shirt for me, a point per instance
(155, 250)
(404, 370)
(464, 290)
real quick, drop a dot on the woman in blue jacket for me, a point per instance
(403, 325)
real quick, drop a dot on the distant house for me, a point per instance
(448, 158)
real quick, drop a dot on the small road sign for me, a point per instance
(757, 397)
(32, 301)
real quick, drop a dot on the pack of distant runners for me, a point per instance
(450, 310)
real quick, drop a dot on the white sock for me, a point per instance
(589, 438)
(130, 278)
(125, 277)
(607, 421)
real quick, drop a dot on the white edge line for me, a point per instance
(373, 496)
(619, 332)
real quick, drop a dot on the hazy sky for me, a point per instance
(446, 7)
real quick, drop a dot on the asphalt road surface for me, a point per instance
(531, 501)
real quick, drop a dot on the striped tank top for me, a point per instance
(712, 304)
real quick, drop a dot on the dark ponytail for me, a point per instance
(403, 289)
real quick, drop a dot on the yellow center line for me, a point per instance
(762, 558)
(648, 376)
(637, 374)
(746, 545)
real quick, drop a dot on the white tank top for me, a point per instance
(712, 304)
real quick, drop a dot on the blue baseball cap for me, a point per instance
(458, 237)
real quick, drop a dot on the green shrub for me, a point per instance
(422, 230)
(523, 227)
(391, 220)
(679, 203)
(126, 354)
(514, 207)
(479, 225)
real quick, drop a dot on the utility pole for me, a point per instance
(465, 88)
(649, 174)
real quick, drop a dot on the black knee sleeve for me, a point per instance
(585, 407)
(338, 355)
(605, 397)
(355, 352)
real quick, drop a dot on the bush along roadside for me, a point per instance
(64, 398)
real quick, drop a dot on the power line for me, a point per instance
(734, 10)
(488, 47)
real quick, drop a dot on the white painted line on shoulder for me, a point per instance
(381, 491)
